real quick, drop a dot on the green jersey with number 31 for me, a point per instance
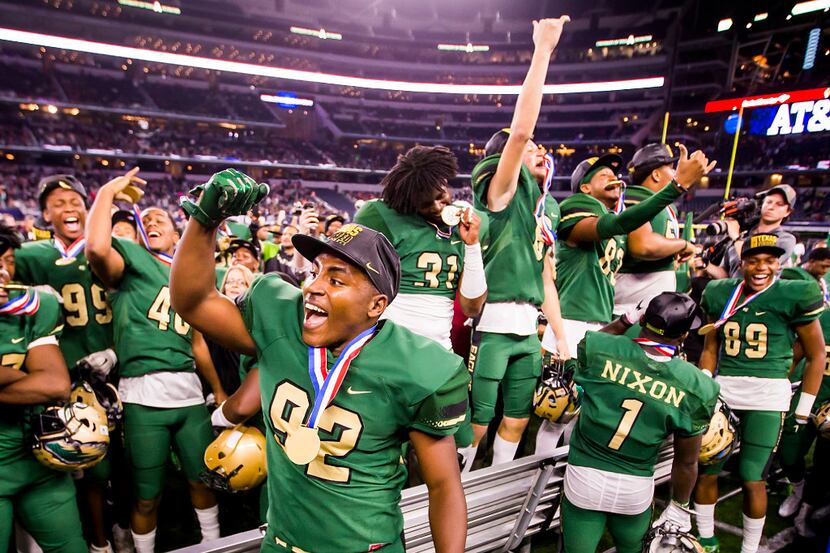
(86, 310)
(632, 403)
(350, 492)
(149, 336)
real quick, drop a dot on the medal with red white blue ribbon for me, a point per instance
(145, 240)
(662, 349)
(303, 444)
(68, 254)
(27, 304)
(732, 306)
(620, 206)
(548, 233)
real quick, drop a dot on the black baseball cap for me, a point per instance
(671, 315)
(331, 219)
(124, 216)
(67, 182)
(362, 246)
(495, 145)
(584, 171)
(652, 156)
(762, 243)
(237, 243)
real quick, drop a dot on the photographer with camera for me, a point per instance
(778, 203)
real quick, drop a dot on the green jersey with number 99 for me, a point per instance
(86, 310)
(149, 336)
(758, 339)
(586, 273)
(350, 492)
(430, 264)
(632, 403)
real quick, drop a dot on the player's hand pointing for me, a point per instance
(227, 193)
(546, 32)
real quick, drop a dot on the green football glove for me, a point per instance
(226, 194)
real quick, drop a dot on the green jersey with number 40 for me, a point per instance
(514, 259)
(85, 308)
(758, 339)
(149, 336)
(632, 403)
(430, 264)
(350, 493)
(586, 273)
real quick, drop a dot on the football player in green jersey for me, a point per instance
(648, 267)
(591, 246)
(638, 393)
(796, 439)
(159, 355)
(340, 390)
(755, 322)
(61, 263)
(436, 259)
(32, 372)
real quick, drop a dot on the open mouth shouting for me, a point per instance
(153, 234)
(761, 280)
(315, 316)
(72, 224)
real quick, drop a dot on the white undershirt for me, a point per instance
(423, 314)
(756, 394)
(609, 492)
(509, 318)
(165, 389)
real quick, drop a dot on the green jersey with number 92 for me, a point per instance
(758, 339)
(149, 336)
(350, 492)
(586, 273)
(86, 311)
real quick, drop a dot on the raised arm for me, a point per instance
(193, 291)
(503, 185)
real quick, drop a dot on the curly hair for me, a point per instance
(9, 238)
(418, 175)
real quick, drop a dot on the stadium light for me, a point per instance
(284, 100)
(469, 47)
(157, 7)
(760, 16)
(812, 6)
(318, 33)
(115, 50)
(724, 24)
(812, 47)
(629, 41)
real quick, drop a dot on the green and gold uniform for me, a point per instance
(399, 382)
(149, 338)
(586, 273)
(756, 343)
(86, 311)
(632, 403)
(41, 499)
(664, 224)
(796, 439)
(509, 361)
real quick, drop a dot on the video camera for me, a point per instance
(746, 211)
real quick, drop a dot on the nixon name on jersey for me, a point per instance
(642, 384)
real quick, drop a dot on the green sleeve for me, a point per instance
(128, 250)
(632, 218)
(696, 421)
(443, 412)
(579, 363)
(246, 363)
(711, 302)
(481, 176)
(23, 270)
(809, 303)
(48, 320)
(370, 216)
(576, 208)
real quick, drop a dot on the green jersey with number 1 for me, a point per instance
(758, 339)
(632, 403)
(149, 336)
(398, 382)
(586, 273)
(86, 310)
(430, 264)
(514, 259)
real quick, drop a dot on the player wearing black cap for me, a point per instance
(124, 225)
(754, 323)
(638, 394)
(651, 250)
(246, 253)
(334, 442)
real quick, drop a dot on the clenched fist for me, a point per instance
(546, 32)
(226, 194)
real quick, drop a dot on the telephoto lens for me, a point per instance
(716, 228)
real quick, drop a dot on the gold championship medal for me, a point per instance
(451, 215)
(130, 194)
(302, 445)
(65, 261)
(706, 329)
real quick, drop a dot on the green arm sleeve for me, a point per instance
(634, 217)
(441, 413)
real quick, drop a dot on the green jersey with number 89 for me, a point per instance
(758, 339)
(514, 258)
(350, 492)
(632, 403)
(149, 336)
(86, 310)
(586, 273)
(430, 264)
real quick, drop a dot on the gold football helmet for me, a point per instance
(70, 437)
(720, 439)
(557, 398)
(668, 539)
(102, 396)
(822, 420)
(236, 460)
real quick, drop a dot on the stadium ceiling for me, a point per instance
(154, 56)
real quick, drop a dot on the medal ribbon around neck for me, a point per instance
(548, 233)
(731, 308)
(73, 250)
(327, 383)
(662, 349)
(621, 200)
(27, 304)
(673, 221)
(162, 257)
(824, 292)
